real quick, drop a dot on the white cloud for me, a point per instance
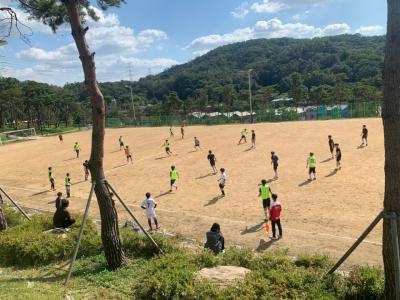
(201, 52)
(273, 28)
(371, 30)
(268, 6)
(241, 11)
(116, 47)
(300, 16)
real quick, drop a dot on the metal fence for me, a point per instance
(271, 114)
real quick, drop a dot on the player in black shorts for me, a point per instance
(253, 139)
(86, 169)
(331, 144)
(364, 136)
(338, 157)
(274, 163)
(211, 158)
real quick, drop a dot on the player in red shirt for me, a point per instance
(275, 215)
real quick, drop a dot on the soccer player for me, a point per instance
(253, 139)
(171, 133)
(275, 213)
(182, 131)
(174, 175)
(222, 182)
(364, 136)
(86, 169)
(77, 149)
(149, 204)
(274, 163)
(51, 179)
(167, 147)
(338, 157)
(196, 143)
(60, 137)
(68, 185)
(212, 159)
(243, 136)
(311, 165)
(331, 144)
(128, 154)
(121, 143)
(265, 192)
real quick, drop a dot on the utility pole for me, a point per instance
(251, 105)
(130, 88)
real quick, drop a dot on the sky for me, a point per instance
(149, 36)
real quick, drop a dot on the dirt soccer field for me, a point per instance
(322, 216)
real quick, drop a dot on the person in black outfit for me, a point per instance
(212, 160)
(274, 163)
(58, 200)
(215, 239)
(62, 218)
(338, 157)
(364, 136)
(331, 144)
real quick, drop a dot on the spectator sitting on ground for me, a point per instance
(215, 239)
(62, 218)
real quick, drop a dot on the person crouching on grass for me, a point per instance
(275, 215)
(62, 218)
(149, 204)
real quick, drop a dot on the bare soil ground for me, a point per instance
(322, 216)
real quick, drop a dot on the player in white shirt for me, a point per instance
(196, 143)
(149, 204)
(222, 181)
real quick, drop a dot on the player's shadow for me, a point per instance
(193, 151)
(116, 151)
(264, 245)
(360, 146)
(204, 176)
(333, 173)
(72, 158)
(253, 229)
(162, 194)
(248, 149)
(78, 182)
(40, 193)
(304, 183)
(119, 166)
(161, 157)
(326, 160)
(214, 200)
(272, 180)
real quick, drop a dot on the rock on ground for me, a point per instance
(222, 275)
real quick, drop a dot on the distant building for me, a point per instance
(282, 101)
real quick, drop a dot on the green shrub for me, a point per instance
(206, 259)
(138, 245)
(365, 282)
(13, 217)
(313, 261)
(28, 245)
(237, 257)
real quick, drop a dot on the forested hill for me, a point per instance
(343, 68)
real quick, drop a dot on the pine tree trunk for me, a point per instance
(109, 219)
(391, 125)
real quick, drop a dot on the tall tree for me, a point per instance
(391, 127)
(55, 13)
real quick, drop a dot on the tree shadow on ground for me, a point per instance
(333, 173)
(326, 160)
(253, 229)
(214, 200)
(306, 182)
(264, 245)
(204, 176)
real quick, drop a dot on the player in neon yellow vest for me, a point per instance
(311, 165)
(121, 143)
(167, 147)
(77, 149)
(174, 175)
(243, 136)
(265, 193)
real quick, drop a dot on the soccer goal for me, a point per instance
(17, 135)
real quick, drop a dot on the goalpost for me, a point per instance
(17, 135)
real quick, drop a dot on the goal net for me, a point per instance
(17, 135)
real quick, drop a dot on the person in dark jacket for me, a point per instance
(58, 200)
(215, 239)
(62, 218)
